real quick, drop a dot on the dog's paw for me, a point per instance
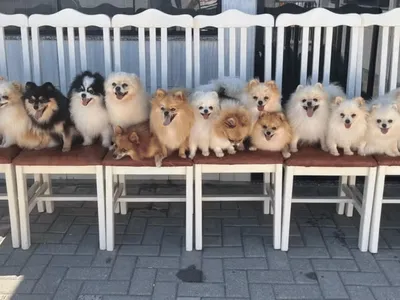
(348, 153)
(334, 153)
(253, 148)
(106, 144)
(66, 149)
(158, 161)
(111, 147)
(205, 153)
(88, 143)
(294, 150)
(286, 154)
(192, 155)
(231, 151)
(182, 155)
(241, 147)
(219, 154)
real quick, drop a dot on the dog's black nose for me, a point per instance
(384, 125)
(83, 95)
(260, 103)
(309, 104)
(166, 113)
(118, 88)
(36, 106)
(206, 111)
(114, 156)
(347, 121)
(268, 132)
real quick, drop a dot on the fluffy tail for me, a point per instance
(229, 87)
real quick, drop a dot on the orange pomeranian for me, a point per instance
(137, 142)
(271, 132)
(171, 119)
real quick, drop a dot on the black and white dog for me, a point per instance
(87, 106)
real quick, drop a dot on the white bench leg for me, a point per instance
(123, 205)
(101, 206)
(287, 203)
(267, 180)
(109, 208)
(377, 210)
(340, 206)
(349, 206)
(12, 205)
(23, 208)
(277, 207)
(117, 206)
(49, 191)
(273, 182)
(198, 199)
(366, 210)
(189, 208)
(40, 204)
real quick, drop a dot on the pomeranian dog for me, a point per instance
(88, 110)
(171, 120)
(271, 132)
(383, 127)
(347, 125)
(49, 111)
(230, 129)
(138, 143)
(206, 108)
(308, 111)
(126, 100)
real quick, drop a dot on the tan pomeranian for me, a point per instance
(171, 120)
(138, 143)
(230, 129)
(271, 132)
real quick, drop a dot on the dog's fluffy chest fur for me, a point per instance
(128, 112)
(173, 135)
(15, 115)
(309, 129)
(201, 130)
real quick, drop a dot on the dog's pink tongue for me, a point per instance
(384, 130)
(310, 111)
(85, 101)
(39, 114)
(347, 125)
(260, 107)
(205, 116)
(167, 120)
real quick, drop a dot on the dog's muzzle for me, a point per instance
(384, 128)
(85, 99)
(347, 123)
(168, 117)
(260, 105)
(119, 93)
(268, 135)
(310, 109)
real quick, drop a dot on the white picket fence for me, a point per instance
(235, 31)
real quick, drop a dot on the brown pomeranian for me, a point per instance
(171, 119)
(138, 143)
(271, 132)
(230, 129)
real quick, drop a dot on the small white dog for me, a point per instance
(347, 125)
(308, 111)
(127, 102)
(206, 107)
(383, 129)
(88, 110)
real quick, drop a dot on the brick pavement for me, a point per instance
(238, 260)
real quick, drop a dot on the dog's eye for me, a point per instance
(172, 109)
(5, 97)
(315, 100)
(378, 121)
(265, 127)
(342, 115)
(255, 98)
(273, 128)
(201, 107)
(266, 98)
(31, 101)
(304, 100)
(124, 85)
(390, 121)
(114, 84)
(353, 115)
(210, 108)
(90, 90)
(162, 108)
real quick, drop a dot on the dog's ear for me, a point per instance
(253, 83)
(160, 93)
(375, 107)
(299, 87)
(214, 95)
(395, 107)
(281, 116)
(230, 122)
(180, 95)
(319, 85)
(17, 86)
(360, 101)
(197, 94)
(134, 138)
(118, 130)
(272, 85)
(338, 100)
(49, 86)
(30, 86)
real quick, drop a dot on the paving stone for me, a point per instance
(391, 270)
(105, 258)
(68, 290)
(189, 258)
(50, 280)
(222, 252)
(213, 270)
(245, 263)
(277, 260)
(56, 249)
(158, 262)
(360, 293)
(164, 291)
(167, 275)
(334, 265)
(303, 271)
(387, 254)
(33, 272)
(275, 276)
(90, 273)
(240, 222)
(166, 222)
(261, 292)
(231, 236)
(308, 253)
(123, 268)
(212, 227)
(19, 257)
(153, 235)
(106, 297)
(236, 283)
(257, 231)
(331, 285)
(15, 286)
(201, 289)
(363, 278)
(88, 245)
(171, 245)
(90, 297)
(42, 238)
(136, 225)
(129, 239)
(62, 224)
(71, 261)
(106, 287)
(386, 293)
(253, 247)
(142, 282)
(337, 248)
(297, 292)
(212, 241)
(312, 237)
(139, 250)
(29, 297)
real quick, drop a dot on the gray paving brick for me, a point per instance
(153, 235)
(167, 275)
(42, 238)
(391, 270)
(275, 276)
(257, 231)
(240, 222)
(19, 257)
(360, 293)
(56, 249)
(277, 260)
(245, 263)
(236, 284)
(331, 285)
(212, 241)
(312, 237)
(211, 227)
(231, 236)
(106, 287)
(363, 278)
(337, 248)
(261, 292)
(334, 265)
(68, 290)
(303, 271)
(136, 225)
(88, 245)
(90, 297)
(62, 224)
(71, 261)
(212, 270)
(297, 292)
(386, 293)
(253, 246)
(308, 253)
(107, 297)
(16, 285)
(166, 221)
(123, 268)
(164, 291)
(222, 252)
(105, 258)
(90, 273)
(3, 258)
(201, 289)
(142, 282)
(387, 254)
(28, 297)
(50, 280)
(139, 250)
(158, 262)
(171, 245)
(189, 258)
(129, 239)
(365, 261)
(33, 272)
